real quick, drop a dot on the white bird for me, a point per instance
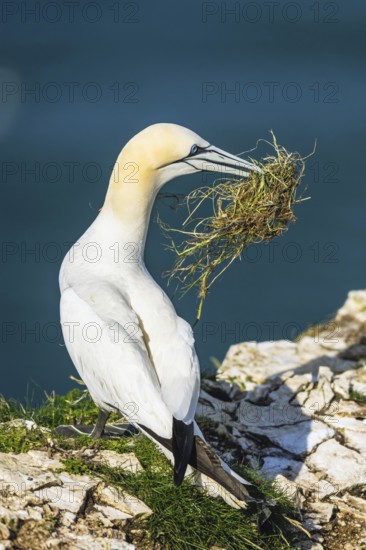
(131, 349)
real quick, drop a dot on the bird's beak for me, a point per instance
(213, 159)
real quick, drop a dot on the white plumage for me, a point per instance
(121, 330)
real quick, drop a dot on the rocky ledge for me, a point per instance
(294, 410)
(297, 411)
(36, 494)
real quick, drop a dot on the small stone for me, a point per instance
(113, 514)
(35, 512)
(292, 386)
(343, 467)
(324, 489)
(354, 433)
(322, 394)
(320, 511)
(123, 501)
(68, 518)
(341, 386)
(4, 532)
(126, 461)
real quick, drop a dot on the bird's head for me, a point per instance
(165, 151)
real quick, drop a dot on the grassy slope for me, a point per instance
(183, 517)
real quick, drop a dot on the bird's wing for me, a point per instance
(178, 368)
(168, 340)
(171, 344)
(106, 344)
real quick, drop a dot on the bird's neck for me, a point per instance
(129, 201)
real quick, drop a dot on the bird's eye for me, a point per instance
(194, 149)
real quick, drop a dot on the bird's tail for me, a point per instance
(216, 476)
(207, 469)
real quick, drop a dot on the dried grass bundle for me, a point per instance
(245, 211)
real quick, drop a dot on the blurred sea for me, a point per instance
(76, 86)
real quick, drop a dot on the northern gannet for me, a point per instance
(128, 344)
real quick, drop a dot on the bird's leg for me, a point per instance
(100, 424)
(98, 430)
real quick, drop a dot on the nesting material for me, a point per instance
(255, 209)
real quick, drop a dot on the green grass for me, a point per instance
(357, 396)
(20, 440)
(76, 407)
(183, 518)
